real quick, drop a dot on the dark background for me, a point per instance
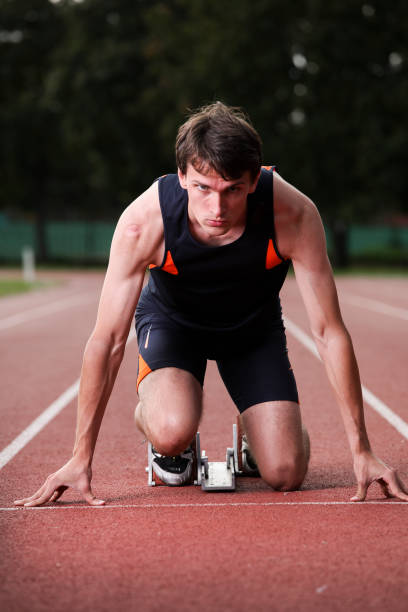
(92, 93)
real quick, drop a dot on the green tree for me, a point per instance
(30, 31)
(325, 84)
(74, 142)
(352, 74)
(92, 93)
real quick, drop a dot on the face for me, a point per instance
(216, 207)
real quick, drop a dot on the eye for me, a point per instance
(202, 187)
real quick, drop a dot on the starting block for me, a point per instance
(217, 475)
(210, 475)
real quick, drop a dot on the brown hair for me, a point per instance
(221, 138)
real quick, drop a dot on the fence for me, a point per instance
(82, 242)
(75, 242)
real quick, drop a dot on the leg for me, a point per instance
(170, 378)
(278, 442)
(260, 380)
(169, 410)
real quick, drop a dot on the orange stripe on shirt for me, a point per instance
(272, 258)
(144, 370)
(168, 266)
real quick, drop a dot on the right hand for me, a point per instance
(73, 474)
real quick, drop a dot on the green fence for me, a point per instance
(365, 239)
(80, 242)
(70, 242)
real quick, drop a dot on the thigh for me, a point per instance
(170, 379)
(165, 344)
(279, 442)
(170, 403)
(274, 431)
(259, 372)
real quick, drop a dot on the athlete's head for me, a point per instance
(219, 138)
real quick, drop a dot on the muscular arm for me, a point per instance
(137, 241)
(105, 348)
(301, 238)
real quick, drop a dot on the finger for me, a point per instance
(26, 500)
(89, 496)
(21, 502)
(57, 494)
(92, 500)
(394, 485)
(38, 501)
(361, 492)
(402, 486)
(41, 499)
(96, 502)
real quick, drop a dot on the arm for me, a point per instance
(136, 242)
(305, 244)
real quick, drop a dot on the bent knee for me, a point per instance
(171, 438)
(287, 476)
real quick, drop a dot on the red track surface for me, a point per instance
(179, 548)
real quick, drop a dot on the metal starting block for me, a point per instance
(211, 475)
(217, 475)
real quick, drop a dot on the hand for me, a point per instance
(72, 474)
(369, 469)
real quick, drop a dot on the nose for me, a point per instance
(216, 205)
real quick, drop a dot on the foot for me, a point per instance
(174, 471)
(249, 465)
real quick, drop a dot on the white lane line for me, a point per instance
(38, 424)
(374, 305)
(209, 505)
(369, 397)
(43, 419)
(45, 309)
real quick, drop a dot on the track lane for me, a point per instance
(387, 289)
(42, 357)
(215, 394)
(267, 557)
(217, 400)
(280, 558)
(377, 340)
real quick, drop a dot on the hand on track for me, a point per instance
(72, 474)
(369, 469)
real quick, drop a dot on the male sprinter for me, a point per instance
(218, 237)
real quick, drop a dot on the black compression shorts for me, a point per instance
(253, 363)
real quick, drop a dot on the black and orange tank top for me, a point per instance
(223, 287)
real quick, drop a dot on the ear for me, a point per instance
(182, 179)
(255, 182)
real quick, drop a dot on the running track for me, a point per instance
(154, 549)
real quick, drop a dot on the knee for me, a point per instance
(171, 436)
(285, 476)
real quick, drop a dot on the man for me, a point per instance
(218, 238)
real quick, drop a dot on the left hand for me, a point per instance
(368, 469)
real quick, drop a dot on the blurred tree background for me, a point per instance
(92, 93)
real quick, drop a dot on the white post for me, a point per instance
(28, 264)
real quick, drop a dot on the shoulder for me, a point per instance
(140, 226)
(297, 220)
(143, 209)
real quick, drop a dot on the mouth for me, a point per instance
(216, 222)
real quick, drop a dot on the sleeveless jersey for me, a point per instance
(223, 287)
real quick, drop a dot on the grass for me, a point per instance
(11, 286)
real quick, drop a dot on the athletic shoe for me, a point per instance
(248, 462)
(174, 471)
